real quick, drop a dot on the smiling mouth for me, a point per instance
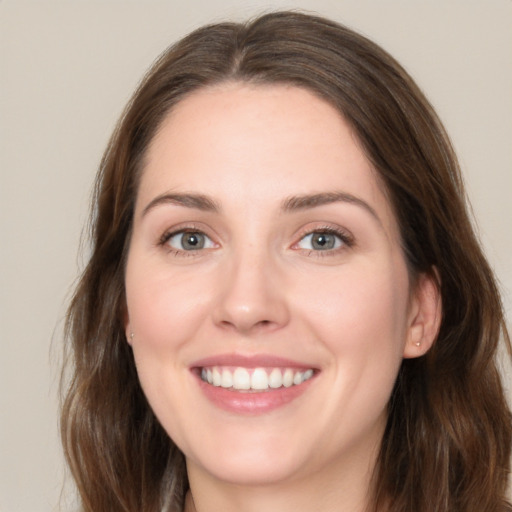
(254, 379)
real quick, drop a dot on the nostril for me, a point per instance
(265, 325)
(254, 327)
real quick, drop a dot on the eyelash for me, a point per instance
(164, 239)
(346, 238)
(347, 241)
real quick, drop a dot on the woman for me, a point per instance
(285, 306)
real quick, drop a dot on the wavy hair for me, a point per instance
(447, 442)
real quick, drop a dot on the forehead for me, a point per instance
(261, 143)
(236, 116)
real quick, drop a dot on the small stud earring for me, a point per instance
(131, 336)
(418, 343)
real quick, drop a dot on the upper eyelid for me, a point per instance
(184, 232)
(348, 243)
(343, 233)
(163, 242)
(185, 228)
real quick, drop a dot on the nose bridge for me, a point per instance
(252, 297)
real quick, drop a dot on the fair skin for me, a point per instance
(261, 232)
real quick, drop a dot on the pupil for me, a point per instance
(323, 241)
(193, 241)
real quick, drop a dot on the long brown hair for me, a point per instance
(447, 442)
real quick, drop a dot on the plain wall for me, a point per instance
(66, 70)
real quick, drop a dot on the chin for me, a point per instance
(251, 468)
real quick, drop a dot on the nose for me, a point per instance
(252, 296)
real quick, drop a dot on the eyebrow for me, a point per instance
(196, 201)
(291, 204)
(304, 202)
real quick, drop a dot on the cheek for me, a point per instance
(362, 310)
(164, 308)
(164, 311)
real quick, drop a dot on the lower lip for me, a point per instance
(254, 402)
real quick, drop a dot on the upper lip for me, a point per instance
(250, 361)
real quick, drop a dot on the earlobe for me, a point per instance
(129, 334)
(425, 317)
(127, 329)
(126, 322)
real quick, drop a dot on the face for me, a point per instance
(267, 293)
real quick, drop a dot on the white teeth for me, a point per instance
(275, 379)
(307, 375)
(297, 378)
(258, 379)
(288, 378)
(216, 377)
(241, 379)
(227, 379)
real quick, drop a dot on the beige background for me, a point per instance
(66, 70)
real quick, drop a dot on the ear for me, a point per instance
(128, 332)
(424, 316)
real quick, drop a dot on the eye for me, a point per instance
(188, 241)
(322, 241)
